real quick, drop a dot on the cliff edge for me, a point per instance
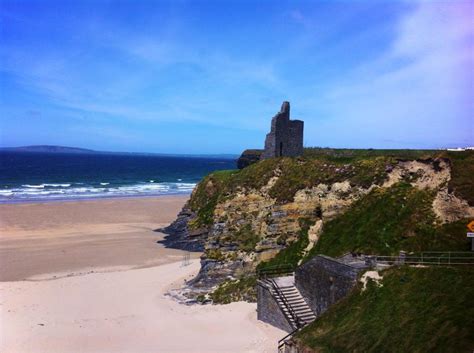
(285, 210)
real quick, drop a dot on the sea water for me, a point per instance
(26, 176)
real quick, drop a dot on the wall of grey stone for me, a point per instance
(295, 138)
(268, 310)
(269, 151)
(285, 137)
(323, 281)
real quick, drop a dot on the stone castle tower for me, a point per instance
(285, 138)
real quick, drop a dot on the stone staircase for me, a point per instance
(292, 304)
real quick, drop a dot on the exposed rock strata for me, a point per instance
(178, 235)
(249, 226)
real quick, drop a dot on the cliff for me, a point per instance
(284, 210)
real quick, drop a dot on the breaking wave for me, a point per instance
(65, 191)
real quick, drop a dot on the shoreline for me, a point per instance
(88, 198)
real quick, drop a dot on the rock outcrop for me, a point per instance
(178, 235)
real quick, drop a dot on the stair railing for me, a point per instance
(284, 341)
(292, 313)
(275, 271)
(429, 258)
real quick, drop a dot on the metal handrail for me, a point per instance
(282, 342)
(275, 270)
(449, 252)
(285, 302)
(431, 258)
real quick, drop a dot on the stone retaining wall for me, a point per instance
(323, 281)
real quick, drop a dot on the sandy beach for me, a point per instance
(60, 238)
(89, 276)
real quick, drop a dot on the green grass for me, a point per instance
(389, 220)
(254, 176)
(243, 289)
(416, 310)
(351, 154)
(205, 196)
(303, 173)
(299, 173)
(462, 163)
(462, 175)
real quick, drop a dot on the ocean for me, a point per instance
(26, 176)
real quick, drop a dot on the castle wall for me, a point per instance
(295, 138)
(271, 140)
(285, 138)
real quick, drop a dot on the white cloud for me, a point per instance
(417, 92)
(81, 82)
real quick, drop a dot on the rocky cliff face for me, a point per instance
(240, 219)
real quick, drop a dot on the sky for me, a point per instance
(208, 76)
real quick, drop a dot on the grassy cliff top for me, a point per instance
(320, 165)
(415, 310)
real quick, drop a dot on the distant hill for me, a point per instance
(64, 149)
(49, 148)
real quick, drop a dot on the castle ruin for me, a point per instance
(285, 138)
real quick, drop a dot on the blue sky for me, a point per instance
(207, 76)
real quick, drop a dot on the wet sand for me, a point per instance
(66, 237)
(89, 277)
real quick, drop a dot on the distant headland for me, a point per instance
(78, 150)
(48, 149)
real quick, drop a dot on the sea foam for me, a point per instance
(55, 191)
